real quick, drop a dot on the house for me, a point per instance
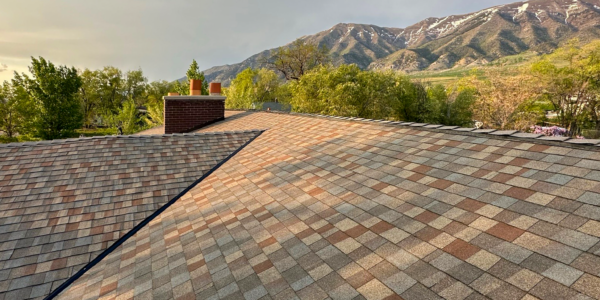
(259, 205)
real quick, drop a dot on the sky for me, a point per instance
(162, 37)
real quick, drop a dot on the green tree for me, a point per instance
(240, 93)
(155, 92)
(183, 88)
(15, 110)
(252, 87)
(156, 113)
(90, 95)
(344, 91)
(311, 93)
(128, 117)
(266, 86)
(135, 86)
(54, 93)
(349, 91)
(411, 102)
(297, 59)
(111, 91)
(569, 79)
(452, 107)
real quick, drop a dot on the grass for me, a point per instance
(446, 77)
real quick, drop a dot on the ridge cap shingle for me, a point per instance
(490, 133)
(130, 136)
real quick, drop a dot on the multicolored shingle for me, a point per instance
(63, 202)
(320, 207)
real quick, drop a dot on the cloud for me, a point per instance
(162, 37)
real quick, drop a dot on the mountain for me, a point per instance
(348, 43)
(444, 43)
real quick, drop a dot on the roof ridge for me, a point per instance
(131, 136)
(494, 133)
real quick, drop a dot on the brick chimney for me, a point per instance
(188, 113)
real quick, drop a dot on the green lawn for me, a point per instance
(445, 77)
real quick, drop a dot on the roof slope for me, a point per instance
(319, 208)
(63, 202)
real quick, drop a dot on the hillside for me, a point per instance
(437, 44)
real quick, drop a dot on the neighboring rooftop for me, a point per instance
(63, 202)
(319, 207)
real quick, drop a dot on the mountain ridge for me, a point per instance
(443, 43)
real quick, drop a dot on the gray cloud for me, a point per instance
(162, 37)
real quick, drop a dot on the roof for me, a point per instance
(320, 207)
(63, 202)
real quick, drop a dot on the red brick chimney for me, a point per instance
(188, 113)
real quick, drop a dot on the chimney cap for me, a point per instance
(195, 87)
(215, 88)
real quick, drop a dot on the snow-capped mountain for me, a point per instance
(442, 43)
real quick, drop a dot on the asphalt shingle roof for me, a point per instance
(320, 208)
(63, 202)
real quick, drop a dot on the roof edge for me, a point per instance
(132, 136)
(512, 135)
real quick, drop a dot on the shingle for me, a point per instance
(551, 290)
(589, 285)
(418, 291)
(563, 274)
(97, 208)
(323, 207)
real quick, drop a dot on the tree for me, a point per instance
(240, 94)
(344, 91)
(501, 99)
(311, 93)
(54, 94)
(90, 95)
(452, 107)
(135, 86)
(570, 80)
(15, 110)
(364, 94)
(253, 86)
(156, 113)
(349, 91)
(266, 86)
(297, 59)
(411, 102)
(155, 92)
(183, 88)
(111, 91)
(128, 117)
